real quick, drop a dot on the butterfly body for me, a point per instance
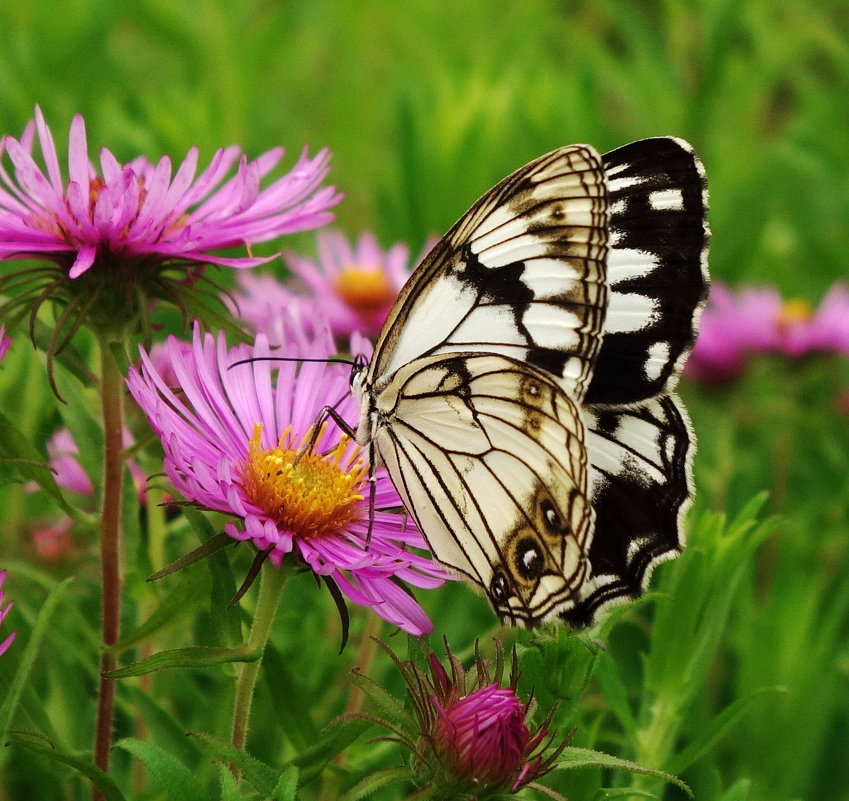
(553, 489)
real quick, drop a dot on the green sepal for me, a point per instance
(194, 657)
(178, 781)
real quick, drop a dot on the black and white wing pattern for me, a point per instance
(522, 273)
(656, 269)
(489, 456)
(521, 391)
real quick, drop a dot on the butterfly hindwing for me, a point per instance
(487, 454)
(657, 269)
(641, 485)
(521, 274)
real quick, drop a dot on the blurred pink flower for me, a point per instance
(735, 325)
(53, 542)
(63, 454)
(351, 286)
(138, 212)
(4, 646)
(234, 437)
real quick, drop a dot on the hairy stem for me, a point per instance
(112, 390)
(271, 582)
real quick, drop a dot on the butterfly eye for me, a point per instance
(499, 588)
(529, 561)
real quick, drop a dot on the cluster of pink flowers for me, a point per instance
(736, 325)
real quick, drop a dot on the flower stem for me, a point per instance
(112, 390)
(271, 583)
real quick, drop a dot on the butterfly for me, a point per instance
(521, 392)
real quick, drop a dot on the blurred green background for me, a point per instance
(425, 104)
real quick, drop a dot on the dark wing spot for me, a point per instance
(528, 559)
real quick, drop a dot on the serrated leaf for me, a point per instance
(26, 659)
(186, 595)
(263, 778)
(195, 657)
(98, 778)
(229, 787)
(575, 757)
(287, 786)
(177, 780)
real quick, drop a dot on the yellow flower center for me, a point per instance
(309, 494)
(794, 310)
(368, 292)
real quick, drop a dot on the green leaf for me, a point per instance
(334, 740)
(26, 659)
(195, 657)
(173, 776)
(739, 791)
(374, 782)
(82, 765)
(287, 786)
(574, 757)
(622, 792)
(191, 591)
(229, 787)
(716, 730)
(263, 778)
(164, 729)
(209, 547)
(17, 450)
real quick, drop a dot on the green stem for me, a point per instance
(112, 392)
(271, 583)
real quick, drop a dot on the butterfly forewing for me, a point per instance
(521, 274)
(657, 269)
(488, 455)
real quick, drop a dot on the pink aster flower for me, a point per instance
(235, 441)
(4, 646)
(53, 541)
(139, 211)
(351, 286)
